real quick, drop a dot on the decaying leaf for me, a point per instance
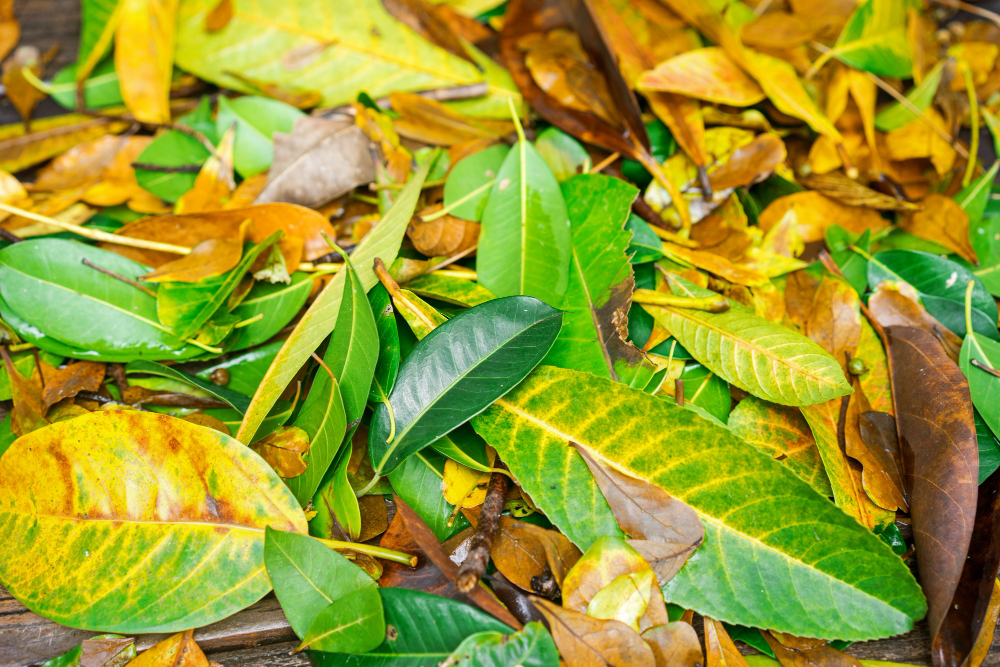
(942, 220)
(707, 74)
(815, 212)
(591, 642)
(444, 236)
(896, 304)
(68, 382)
(719, 647)
(178, 650)
(283, 451)
(675, 644)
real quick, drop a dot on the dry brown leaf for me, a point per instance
(819, 656)
(69, 381)
(782, 30)
(28, 413)
(590, 642)
(896, 304)
(706, 74)
(749, 164)
(719, 647)
(98, 652)
(207, 259)
(881, 474)
(178, 650)
(219, 17)
(816, 212)
(283, 450)
(22, 94)
(723, 232)
(214, 184)
(444, 236)
(942, 220)
(374, 517)
(429, 121)
(715, 264)
(674, 645)
(81, 165)
(10, 29)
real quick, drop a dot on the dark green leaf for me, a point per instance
(707, 390)
(335, 503)
(645, 245)
(352, 624)
(456, 371)
(989, 448)
(277, 302)
(530, 647)
(387, 365)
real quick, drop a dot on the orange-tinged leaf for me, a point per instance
(719, 647)
(881, 471)
(898, 304)
(675, 644)
(214, 184)
(10, 29)
(429, 121)
(849, 192)
(207, 259)
(917, 140)
(942, 221)
(444, 236)
(707, 74)
(50, 137)
(584, 641)
(22, 94)
(715, 264)
(219, 17)
(153, 483)
(782, 30)
(144, 57)
(283, 451)
(69, 381)
(818, 653)
(178, 650)
(81, 165)
(29, 409)
(816, 212)
(749, 164)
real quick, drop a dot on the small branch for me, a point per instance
(9, 237)
(599, 167)
(176, 169)
(981, 366)
(679, 392)
(481, 542)
(972, 9)
(97, 235)
(176, 400)
(106, 272)
(454, 258)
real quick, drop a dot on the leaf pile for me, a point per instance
(505, 333)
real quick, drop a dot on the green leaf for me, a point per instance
(7, 436)
(463, 445)
(530, 647)
(315, 48)
(874, 39)
(234, 398)
(176, 149)
(245, 369)
(941, 284)
(417, 480)
(758, 356)
(457, 370)
(352, 624)
(823, 575)
(895, 115)
(853, 265)
(95, 15)
(989, 448)
(525, 244)
(256, 120)
(335, 503)
(450, 289)
(321, 317)
(471, 175)
(706, 390)
(387, 365)
(159, 528)
(279, 303)
(25, 365)
(600, 280)
(986, 242)
(564, 154)
(983, 386)
(100, 90)
(645, 245)
(974, 197)
(187, 307)
(44, 283)
(308, 576)
(417, 642)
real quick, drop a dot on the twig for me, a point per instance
(980, 365)
(481, 542)
(597, 168)
(97, 235)
(452, 93)
(454, 258)
(679, 392)
(106, 272)
(8, 236)
(180, 168)
(103, 400)
(972, 9)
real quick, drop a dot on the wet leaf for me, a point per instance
(283, 451)
(895, 305)
(805, 657)
(222, 524)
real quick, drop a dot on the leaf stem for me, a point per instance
(713, 304)
(970, 87)
(97, 235)
(371, 550)
(458, 202)
(246, 323)
(369, 486)
(968, 307)
(517, 120)
(596, 169)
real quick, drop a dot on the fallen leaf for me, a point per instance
(917, 140)
(675, 645)
(625, 599)
(941, 220)
(720, 650)
(302, 172)
(28, 413)
(214, 184)
(208, 259)
(816, 212)
(144, 53)
(749, 164)
(897, 304)
(178, 650)
(824, 655)
(715, 264)
(878, 453)
(584, 641)
(443, 236)
(849, 192)
(22, 94)
(428, 121)
(220, 16)
(706, 74)
(782, 30)
(107, 651)
(283, 451)
(68, 382)
(10, 29)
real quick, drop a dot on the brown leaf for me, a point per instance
(10, 29)
(317, 162)
(706, 74)
(68, 382)
(835, 320)
(715, 264)
(820, 656)
(937, 441)
(423, 536)
(214, 184)
(178, 650)
(300, 99)
(878, 433)
(675, 644)
(666, 531)
(81, 165)
(207, 421)
(219, 17)
(207, 259)
(719, 647)
(591, 642)
(29, 410)
(895, 304)
(942, 221)
(22, 94)
(750, 164)
(426, 576)
(190, 230)
(96, 652)
(723, 232)
(881, 474)
(444, 236)
(816, 212)
(283, 450)
(374, 517)
(849, 192)
(429, 121)
(439, 24)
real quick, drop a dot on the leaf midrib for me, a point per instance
(705, 517)
(300, 571)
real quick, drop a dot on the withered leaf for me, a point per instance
(584, 641)
(283, 450)
(895, 304)
(836, 185)
(941, 220)
(178, 650)
(820, 656)
(750, 164)
(719, 647)
(105, 651)
(676, 644)
(443, 236)
(69, 381)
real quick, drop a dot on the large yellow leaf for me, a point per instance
(137, 522)
(144, 57)
(707, 74)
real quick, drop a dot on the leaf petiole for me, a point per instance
(371, 550)
(458, 202)
(713, 304)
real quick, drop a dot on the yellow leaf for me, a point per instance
(707, 74)
(463, 486)
(178, 650)
(782, 30)
(942, 221)
(816, 212)
(917, 140)
(144, 57)
(715, 264)
(214, 184)
(625, 599)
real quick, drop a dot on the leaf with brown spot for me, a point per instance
(374, 517)
(584, 641)
(69, 381)
(881, 474)
(443, 236)
(179, 650)
(819, 656)
(29, 409)
(666, 531)
(937, 441)
(706, 74)
(719, 647)
(941, 220)
(749, 164)
(219, 17)
(283, 451)
(849, 192)
(896, 304)
(676, 644)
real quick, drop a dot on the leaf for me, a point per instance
(674, 645)
(669, 530)
(144, 50)
(29, 410)
(706, 74)
(530, 647)
(256, 120)
(426, 645)
(278, 303)
(942, 221)
(824, 654)
(430, 122)
(565, 155)
(387, 366)
(319, 320)
(941, 285)
(472, 366)
(815, 213)
(742, 518)
(417, 480)
(283, 450)
(765, 359)
(235, 399)
(301, 172)
(625, 599)
(338, 510)
(450, 289)
(30, 281)
(69, 381)
(896, 115)
(175, 149)
(592, 642)
(897, 305)
(308, 576)
(443, 236)
(224, 498)
(939, 456)
(179, 650)
(524, 244)
(352, 624)
(311, 51)
(471, 175)
(600, 281)
(719, 647)
(874, 40)
(49, 137)
(983, 386)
